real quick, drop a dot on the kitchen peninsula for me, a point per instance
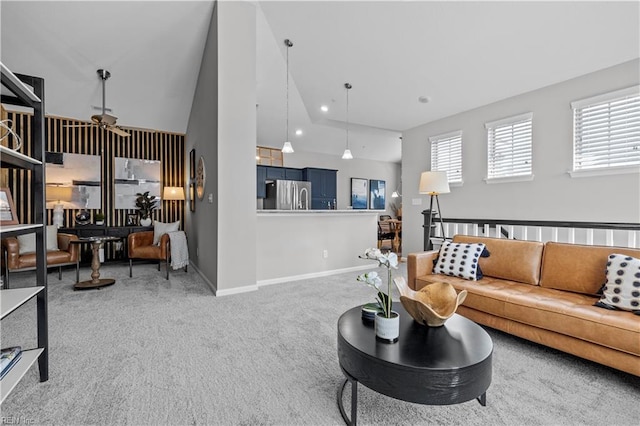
(298, 244)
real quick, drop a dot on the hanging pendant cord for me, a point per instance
(288, 43)
(347, 117)
(347, 86)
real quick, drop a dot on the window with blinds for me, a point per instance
(446, 155)
(606, 130)
(509, 147)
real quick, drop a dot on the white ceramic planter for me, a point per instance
(145, 222)
(387, 329)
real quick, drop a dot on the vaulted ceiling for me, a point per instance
(458, 55)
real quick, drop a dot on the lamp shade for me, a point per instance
(347, 155)
(287, 148)
(59, 193)
(434, 183)
(173, 193)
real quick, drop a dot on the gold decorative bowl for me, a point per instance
(433, 304)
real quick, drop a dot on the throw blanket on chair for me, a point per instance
(179, 249)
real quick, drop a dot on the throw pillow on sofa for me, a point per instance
(160, 228)
(622, 289)
(27, 242)
(460, 260)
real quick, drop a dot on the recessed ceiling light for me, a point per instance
(424, 99)
(298, 132)
(324, 108)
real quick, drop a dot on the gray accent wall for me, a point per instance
(222, 231)
(552, 194)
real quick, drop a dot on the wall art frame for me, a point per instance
(377, 199)
(192, 196)
(192, 164)
(132, 219)
(359, 193)
(7, 208)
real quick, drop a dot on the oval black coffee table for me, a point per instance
(428, 365)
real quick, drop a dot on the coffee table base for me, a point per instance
(89, 284)
(482, 399)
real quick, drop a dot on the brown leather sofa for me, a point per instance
(544, 293)
(13, 261)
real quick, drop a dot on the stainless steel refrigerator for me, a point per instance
(288, 195)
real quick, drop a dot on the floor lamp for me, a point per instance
(433, 184)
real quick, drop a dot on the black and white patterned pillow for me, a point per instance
(622, 289)
(460, 260)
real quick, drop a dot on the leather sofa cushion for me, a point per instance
(577, 268)
(513, 260)
(53, 258)
(563, 312)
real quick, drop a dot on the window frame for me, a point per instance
(593, 101)
(490, 127)
(442, 138)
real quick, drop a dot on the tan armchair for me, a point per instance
(140, 246)
(13, 261)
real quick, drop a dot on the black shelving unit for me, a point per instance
(28, 91)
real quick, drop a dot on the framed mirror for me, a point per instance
(201, 177)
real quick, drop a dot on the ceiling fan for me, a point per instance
(104, 120)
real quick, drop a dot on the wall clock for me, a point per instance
(201, 177)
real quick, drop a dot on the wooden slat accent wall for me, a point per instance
(142, 144)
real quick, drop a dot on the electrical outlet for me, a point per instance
(210, 198)
(325, 253)
(416, 201)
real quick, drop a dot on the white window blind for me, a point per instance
(509, 147)
(446, 155)
(606, 130)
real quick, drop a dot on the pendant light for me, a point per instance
(347, 152)
(287, 148)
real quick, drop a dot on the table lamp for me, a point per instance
(173, 193)
(58, 194)
(433, 183)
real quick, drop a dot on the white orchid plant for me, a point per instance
(372, 279)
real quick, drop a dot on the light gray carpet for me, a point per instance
(147, 351)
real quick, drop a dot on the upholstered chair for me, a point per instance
(140, 246)
(14, 261)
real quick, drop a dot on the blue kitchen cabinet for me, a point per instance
(323, 187)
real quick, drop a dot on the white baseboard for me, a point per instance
(311, 275)
(218, 293)
(260, 283)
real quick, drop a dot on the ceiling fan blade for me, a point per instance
(109, 120)
(118, 131)
(78, 125)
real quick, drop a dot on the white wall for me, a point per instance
(222, 129)
(236, 188)
(358, 168)
(291, 245)
(553, 194)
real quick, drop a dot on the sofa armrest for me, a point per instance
(164, 245)
(12, 247)
(418, 265)
(64, 244)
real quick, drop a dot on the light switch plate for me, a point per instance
(416, 201)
